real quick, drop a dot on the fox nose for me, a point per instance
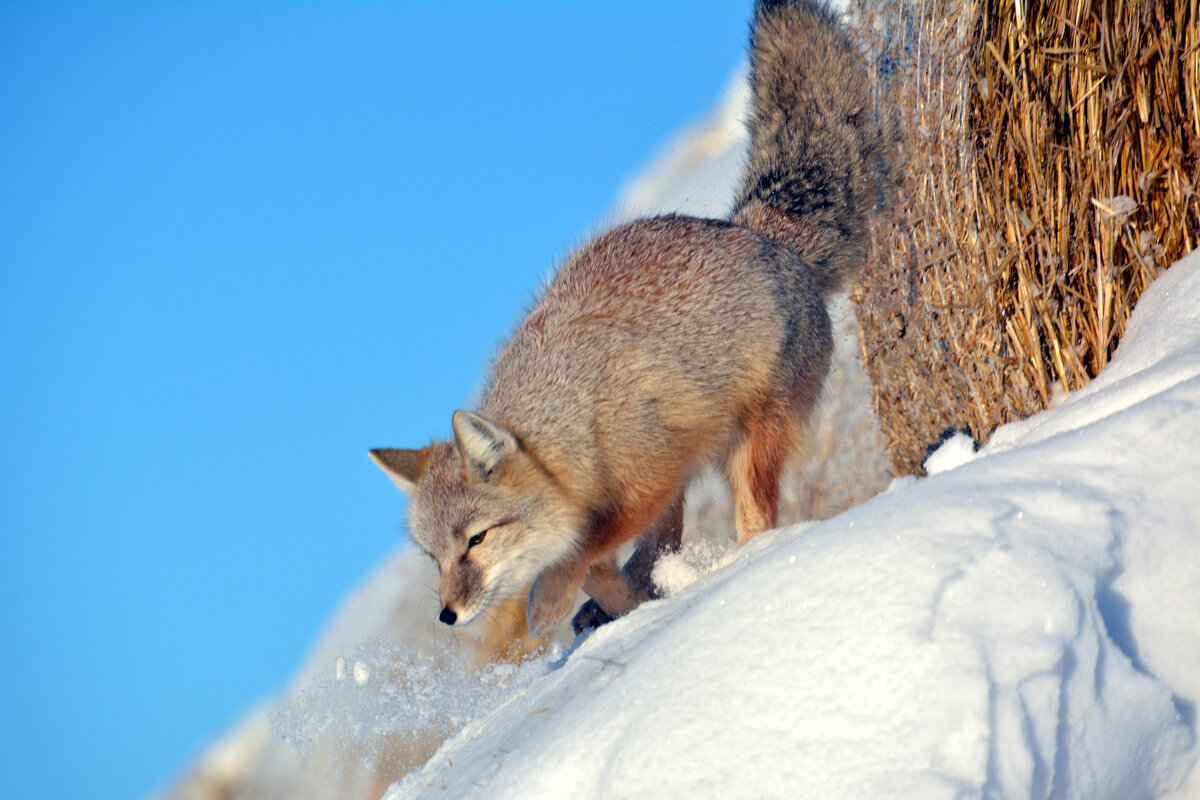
(447, 616)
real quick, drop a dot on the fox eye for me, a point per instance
(476, 539)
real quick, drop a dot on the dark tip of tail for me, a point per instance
(447, 616)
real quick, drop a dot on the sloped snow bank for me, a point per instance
(1024, 624)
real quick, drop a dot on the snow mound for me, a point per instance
(1023, 625)
(674, 572)
(953, 452)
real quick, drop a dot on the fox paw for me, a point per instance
(548, 603)
(589, 617)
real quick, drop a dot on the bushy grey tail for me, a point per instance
(819, 150)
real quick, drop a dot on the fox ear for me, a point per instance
(404, 467)
(482, 443)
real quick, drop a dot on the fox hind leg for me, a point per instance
(768, 436)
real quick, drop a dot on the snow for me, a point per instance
(385, 698)
(1023, 623)
(954, 452)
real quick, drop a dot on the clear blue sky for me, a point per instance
(239, 245)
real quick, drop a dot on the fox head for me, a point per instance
(485, 510)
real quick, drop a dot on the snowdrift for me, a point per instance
(1025, 622)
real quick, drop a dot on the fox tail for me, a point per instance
(820, 148)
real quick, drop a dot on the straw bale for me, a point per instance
(1053, 148)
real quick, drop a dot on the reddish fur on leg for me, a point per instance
(768, 436)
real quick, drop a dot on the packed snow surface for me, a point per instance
(1024, 623)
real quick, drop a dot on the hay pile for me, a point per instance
(1054, 155)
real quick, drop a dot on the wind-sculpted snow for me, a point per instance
(1023, 624)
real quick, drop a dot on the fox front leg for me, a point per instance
(553, 594)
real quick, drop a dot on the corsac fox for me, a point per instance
(661, 345)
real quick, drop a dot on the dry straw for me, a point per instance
(1054, 148)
